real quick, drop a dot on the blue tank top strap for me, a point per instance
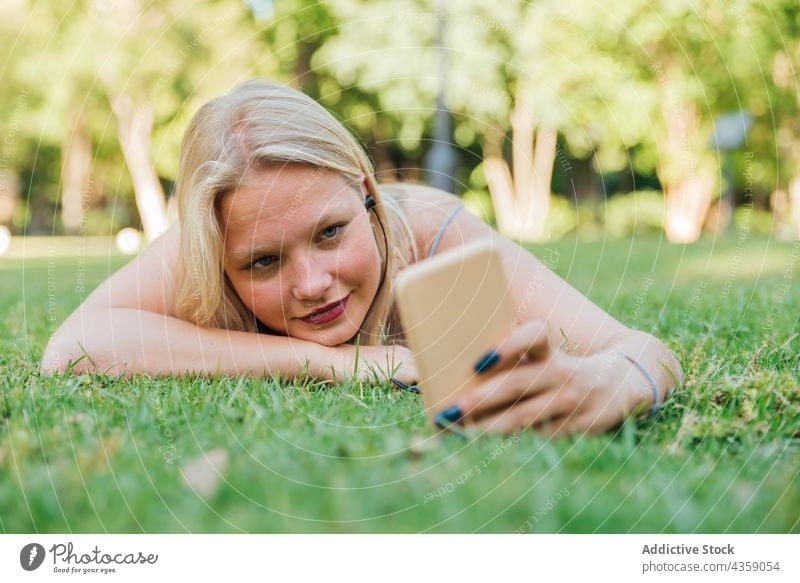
(446, 222)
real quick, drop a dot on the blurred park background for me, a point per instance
(547, 117)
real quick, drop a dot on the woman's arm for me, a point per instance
(581, 376)
(653, 356)
(126, 341)
(530, 383)
(126, 326)
(536, 291)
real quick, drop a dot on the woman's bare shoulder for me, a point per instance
(422, 198)
(425, 208)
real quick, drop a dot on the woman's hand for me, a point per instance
(531, 384)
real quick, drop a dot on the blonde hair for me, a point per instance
(261, 122)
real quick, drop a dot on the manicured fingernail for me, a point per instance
(487, 361)
(448, 416)
(401, 385)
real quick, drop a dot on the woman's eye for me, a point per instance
(262, 262)
(327, 234)
(333, 230)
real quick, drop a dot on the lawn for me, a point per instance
(91, 453)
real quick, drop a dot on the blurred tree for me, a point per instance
(76, 172)
(61, 114)
(681, 64)
(389, 48)
(303, 37)
(639, 79)
(20, 103)
(633, 88)
(772, 32)
(159, 61)
(521, 192)
(441, 159)
(162, 56)
(376, 49)
(660, 75)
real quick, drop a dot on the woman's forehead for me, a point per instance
(286, 191)
(284, 205)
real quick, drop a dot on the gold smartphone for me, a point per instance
(454, 307)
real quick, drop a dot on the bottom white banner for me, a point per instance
(353, 558)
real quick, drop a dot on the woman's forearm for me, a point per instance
(126, 341)
(654, 357)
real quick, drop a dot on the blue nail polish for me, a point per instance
(401, 385)
(448, 416)
(487, 361)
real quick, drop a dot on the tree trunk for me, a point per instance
(544, 156)
(687, 203)
(789, 155)
(385, 168)
(584, 181)
(688, 181)
(304, 74)
(794, 204)
(521, 201)
(498, 178)
(75, 176)
(10, 190)
(134, 128)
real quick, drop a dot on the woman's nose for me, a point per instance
(311, 280)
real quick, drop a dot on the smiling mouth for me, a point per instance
(327, 313)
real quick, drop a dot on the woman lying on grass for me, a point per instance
(283, 261)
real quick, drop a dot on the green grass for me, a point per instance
(89, 453)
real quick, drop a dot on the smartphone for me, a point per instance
(454, 307)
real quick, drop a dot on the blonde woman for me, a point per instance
(284, 258)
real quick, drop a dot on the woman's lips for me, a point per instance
(328, 315)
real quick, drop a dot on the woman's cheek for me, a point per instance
(362, 255)
(350, 264)
(259, 299)
(266, 304)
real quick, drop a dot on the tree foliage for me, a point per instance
(634, 87)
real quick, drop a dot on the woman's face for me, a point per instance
(297, 239)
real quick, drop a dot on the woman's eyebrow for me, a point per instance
(259, 249)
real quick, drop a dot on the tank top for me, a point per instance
(440, 232)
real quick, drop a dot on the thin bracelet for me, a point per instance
(647, 375)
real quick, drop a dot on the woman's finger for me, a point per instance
(526, 343)
(508, 387)
(530, 412)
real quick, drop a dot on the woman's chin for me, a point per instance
(330, 337)
(334, 333)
